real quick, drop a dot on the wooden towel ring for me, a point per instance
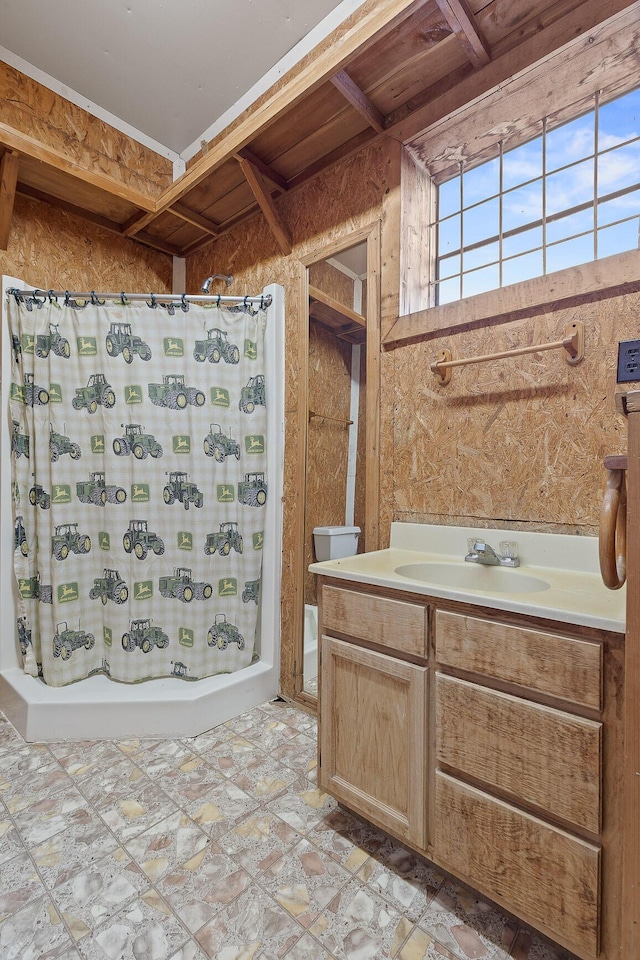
(613, 525)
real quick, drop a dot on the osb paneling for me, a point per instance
(327, 440)
(333, 282)
(519, 440)
(53, 249)
(331, 207)
(359, 512)
(33, 109)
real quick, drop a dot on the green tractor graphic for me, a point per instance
(59, 444)
(252, 395)
(120, 340)
(24, 635)
(173, 393)
(39, 497)
(67, 539)
(181, 670)
(251, 591)
(137, 442)
(110, 586)
(183, 587)
(253, 490)
(96, 490)
(228, 536)
(33, 394)
(19, 442)
(221, 633)
(54, 340)
(66, 641)
(181, 489)
(218, 446)
(215, 348)
(97, 391)
(140, 539)
(144, 636)
(20, 537)
(31, 589)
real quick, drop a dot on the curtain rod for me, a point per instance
(151, 298)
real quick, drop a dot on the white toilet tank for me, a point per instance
(333, 542)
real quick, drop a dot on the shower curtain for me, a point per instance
(139, 485)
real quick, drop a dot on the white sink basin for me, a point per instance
(473, 576)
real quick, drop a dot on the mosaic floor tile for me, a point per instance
(218, 810)
(10, 842)
(95, 894)
(162, 757)
(60, 857)
(269, 733)
(201, 887)
(422, 946)
(34, 933)
(231, 755)
(264, 778)
(299, 719)
(299, 753)
(345, 838)
(191, 780)
(258, 841)
(359, 925)
(212, 738)
(166, 845)
(467, 925)
(529, 946)
(135, 810)
(117, 777)
(49, 816)
(18, 791)
(19, 758)
(304, 881)
(404, 879)
(88, 760)
(303, 809)
(308, 949)
(190, 951)
(19, 884)
(253, 927)
(144, 930)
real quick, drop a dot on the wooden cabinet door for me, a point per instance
(373, 737)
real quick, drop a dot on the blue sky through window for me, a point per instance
(569, 196)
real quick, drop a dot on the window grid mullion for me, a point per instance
(544, 197)
(596, 134)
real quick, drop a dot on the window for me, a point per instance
(567, 197)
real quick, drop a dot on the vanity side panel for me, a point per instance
(544, 757)
(544, 875)
(560, 666)
(396, 624)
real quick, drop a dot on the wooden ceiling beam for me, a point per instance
(260, 190)
(8, 181)
(195, 219)
(460, 19)
(405, 126)
(268, 172)
(358, 100)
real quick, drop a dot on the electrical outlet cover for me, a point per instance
(628, 361)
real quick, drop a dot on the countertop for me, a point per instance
(568, 564)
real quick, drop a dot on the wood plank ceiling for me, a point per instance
(395, 71)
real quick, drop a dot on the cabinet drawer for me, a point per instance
(541, 873)
(559, 666)
(543, 756)
(390, 623)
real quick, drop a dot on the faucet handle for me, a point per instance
(509, 553)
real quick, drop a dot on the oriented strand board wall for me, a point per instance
(34, 110)
(333, 282)
(518, 442)
(332, 206)
(53, 249)
(327, 440)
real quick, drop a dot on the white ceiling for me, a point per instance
(169, 69)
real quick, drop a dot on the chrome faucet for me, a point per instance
(481, 552)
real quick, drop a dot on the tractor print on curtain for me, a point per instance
(139, 485)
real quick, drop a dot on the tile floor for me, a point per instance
(219, 847)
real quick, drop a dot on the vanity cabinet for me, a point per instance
(486, 741)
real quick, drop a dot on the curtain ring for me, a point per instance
(51, 296)
(38, 303)
(123, 299)
(153, 304)
(184, 305)
(218, 303)
(246, 302)
(67, 298)
(95, 301)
